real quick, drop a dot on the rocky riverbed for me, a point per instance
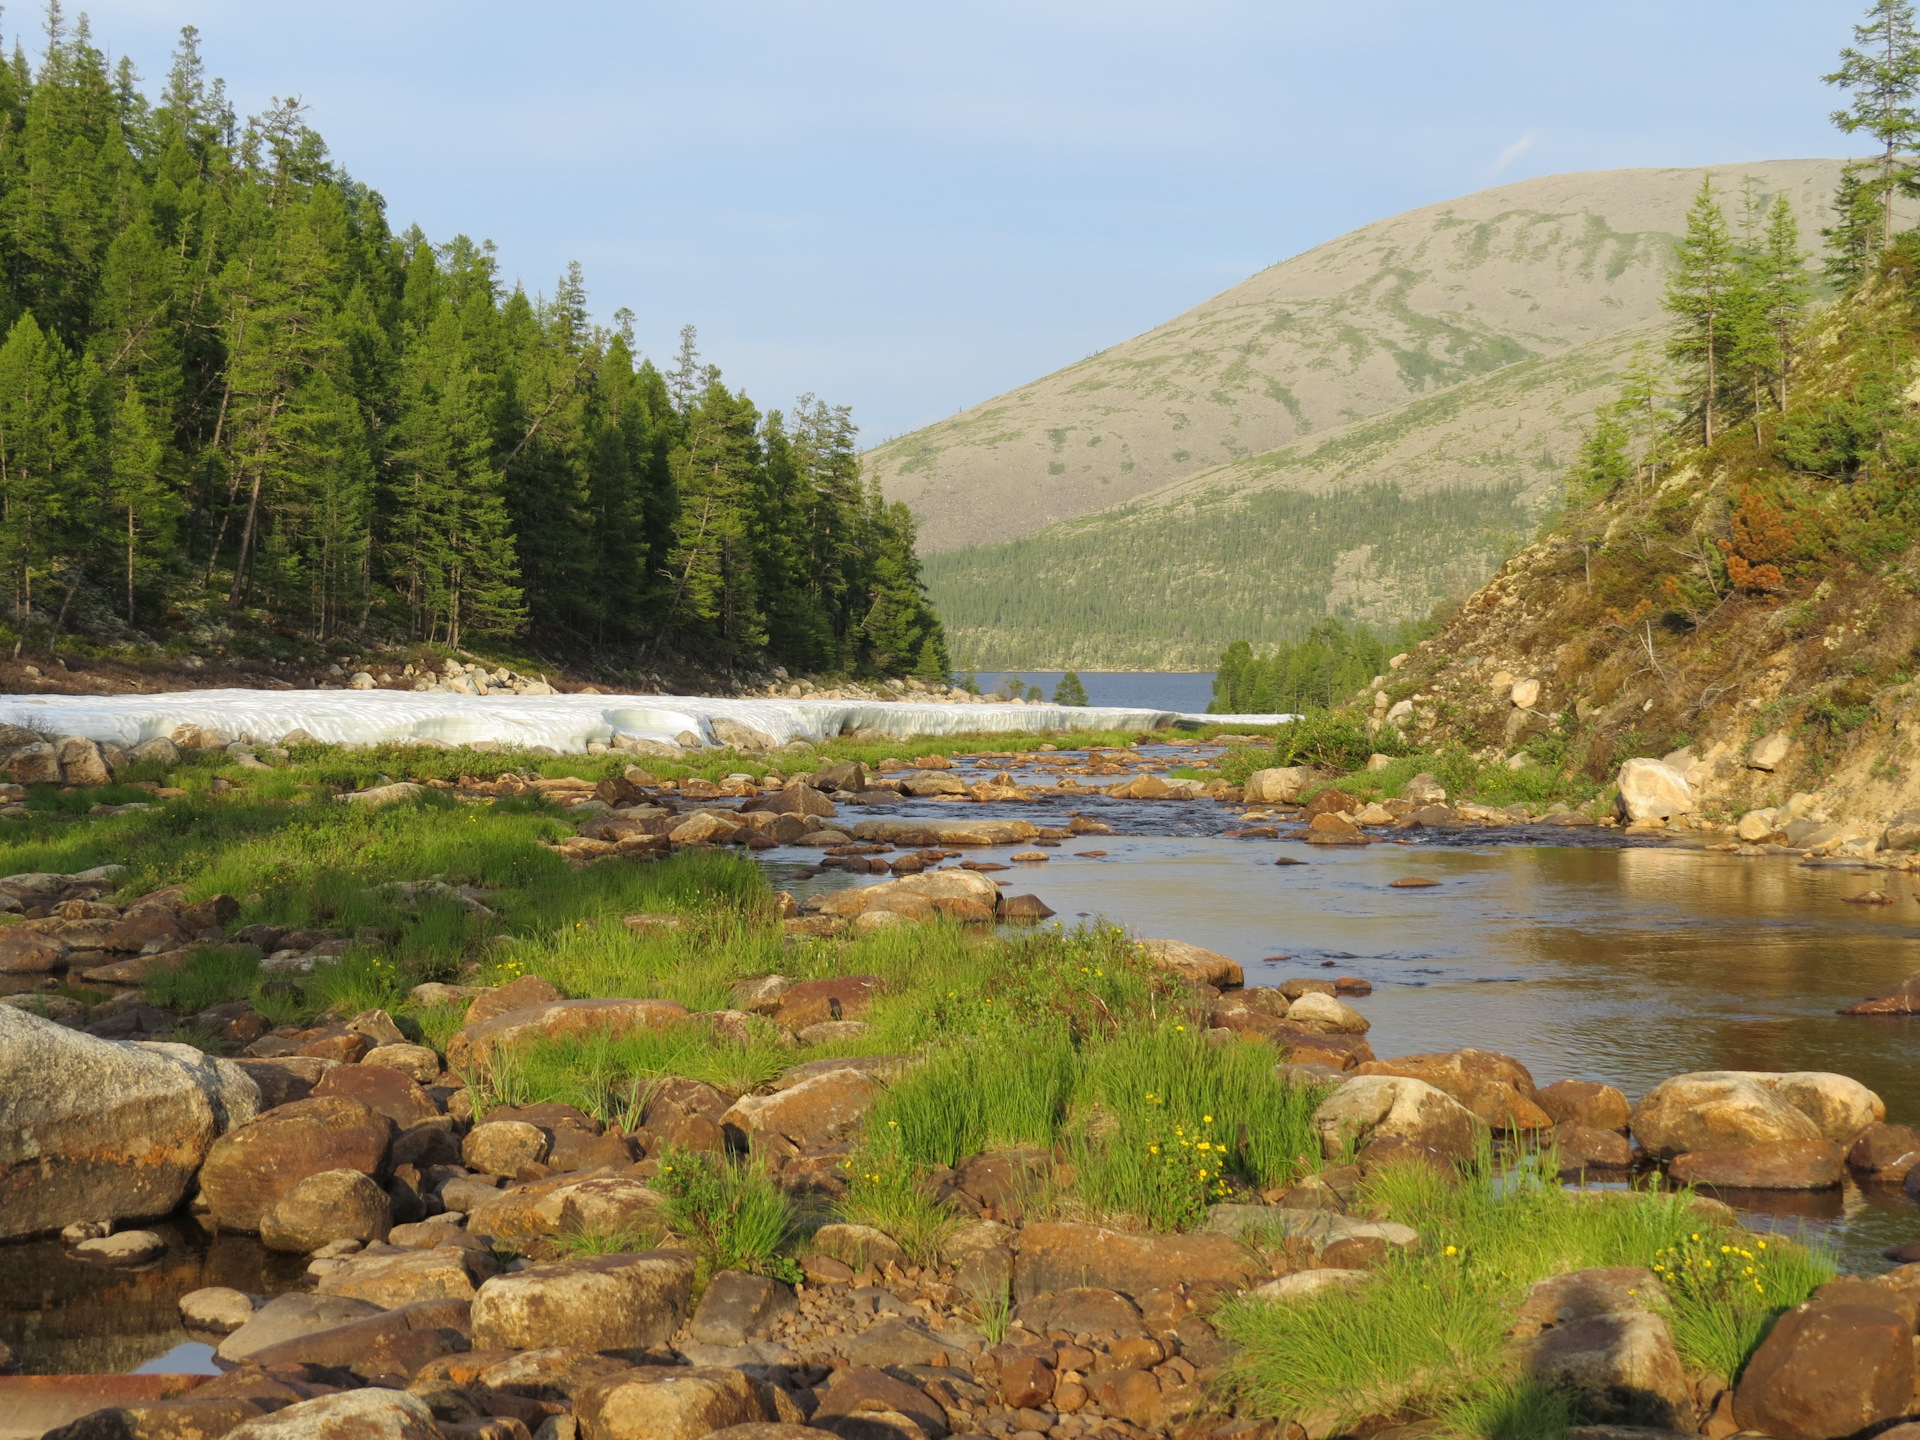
(419, 1269)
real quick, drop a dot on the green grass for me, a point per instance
(212, 975)
(731, 1212)
(1429, 1333)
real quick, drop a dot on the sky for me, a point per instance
(909, 208)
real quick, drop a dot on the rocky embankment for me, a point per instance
(450, 1294)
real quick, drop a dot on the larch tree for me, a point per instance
(1881, 73)
(1701, 297)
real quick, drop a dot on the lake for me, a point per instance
(1186, 691)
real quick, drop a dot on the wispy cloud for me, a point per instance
(1512, 153)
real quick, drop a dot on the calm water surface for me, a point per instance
(1597, 961)
(1185, 691)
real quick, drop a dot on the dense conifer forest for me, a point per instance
(234, 400)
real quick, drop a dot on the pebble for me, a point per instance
(1411, 882)
(129, 1247)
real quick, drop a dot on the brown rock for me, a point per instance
(372, 1414)
(1623, 1366)
(249, 1169)
(504, 1147)
(517, 995)
(141, 929)
(1584, 1102)
(332, 1205)
(599, 1302)
(1395, 1107)
(382, 1090)
(1194, 964)
(819, 1111)
(1826, 1371)
(1493, 1086)
(1581, 1147)
(27, 952)
(801, 799)
(863, 1390)
(1331, 801)
(660, 1402)
(1133, 1395)
(447, 1272)
(1057, 1257)
(1889, 1153)
(472, 1045)
(845, 997)
(1583, 1294)
(1790, 1165)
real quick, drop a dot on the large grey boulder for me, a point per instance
(1745, 1109)
(94, 1129)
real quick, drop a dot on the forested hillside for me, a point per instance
(237, 407)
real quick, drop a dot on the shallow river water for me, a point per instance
(1585, 956)
(1596, 960)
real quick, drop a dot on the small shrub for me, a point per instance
(618, 1241)
(731, 1212)
(1727, 1287)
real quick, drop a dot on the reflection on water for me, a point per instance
(1625, 965)
(60, 1315)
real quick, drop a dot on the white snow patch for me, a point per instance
(567, 723)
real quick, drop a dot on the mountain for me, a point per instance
(1366, 428)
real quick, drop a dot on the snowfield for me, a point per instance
(566, 723)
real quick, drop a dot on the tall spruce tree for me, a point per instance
(1881, 73)
(1702, 295)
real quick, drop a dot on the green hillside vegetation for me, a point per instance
(1399, 311)
(1381, 520)
(238, 410)
(1327, 665)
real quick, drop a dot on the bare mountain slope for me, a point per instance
(1394, 312)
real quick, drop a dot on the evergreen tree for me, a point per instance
(1702, 295)
(1881, 71)
(1070, 691)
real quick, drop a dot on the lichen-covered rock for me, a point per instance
(1496, 1087)
(600, 1302)
(1395, 1107)
(104, 1129)
(1194, 964)
(328, 1206)
(820, 1110)
(472, 1045)
(1745, 1109)
(1826, 1371)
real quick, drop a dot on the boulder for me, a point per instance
(1653, 790)
(658, 1402)
(248, 1170)
(519, 1218)
(471, 1046)
(1525, 694)
(1903, 1001)
(332, 1205)
(917, 897)
(104, 1129)
(347, 1415)
(1493, 1086)
(288, 1317)
(864, 1393)
(1785, 1165)
(215, 1309)
(528, 990)
(28, 952)
(811, 1002)
(819, 1111)
(380, 1088)
(1307, 1284)
(447, 1272)
(1065, 1256)
(1394, 1107)
(1585, 1102)
(1326, 1015)
(1622, 1365)
(1758, 825)
(1744, 1109)
(739, 734)
(81, 762)
(1278, 786)
(1583, 1294)
(1889, 1153)
(945, 834)
(1769, 751)
(737, 1308)
(504, 1147)
(600, 1302)
(1826, 1371)
(1582, 1147)
(417, 1062)
(1195, 965)
(35, 763)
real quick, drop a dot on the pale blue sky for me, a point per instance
(910, 207)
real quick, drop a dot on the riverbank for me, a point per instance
(564, 1041)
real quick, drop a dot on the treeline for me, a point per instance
(1332, 661)
(227, 388)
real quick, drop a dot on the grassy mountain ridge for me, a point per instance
(1380, 520)
(1395, 311)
